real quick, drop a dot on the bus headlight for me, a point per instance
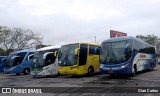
(122, 66)
(101, 66)
(11, 69)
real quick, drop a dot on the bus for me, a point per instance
(19, 62)
(126, 55)
(78, 59)
(45, 61)
(2, 64)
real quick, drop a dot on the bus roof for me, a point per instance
(49, 47)
(125, 38)
(25, 50)
(83, 43)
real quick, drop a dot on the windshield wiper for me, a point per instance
(114, 56)
(106, 57)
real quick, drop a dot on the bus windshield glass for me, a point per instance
(9, 62)
(38, 60)
(67, 56)
(15, 58)
(113, 52)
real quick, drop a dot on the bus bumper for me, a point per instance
(116, 70)
(10, 70)
(69, 71)
(42, 73)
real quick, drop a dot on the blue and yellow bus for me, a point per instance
(126, 55)
(19, 62)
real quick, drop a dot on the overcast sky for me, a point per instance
(81, 20)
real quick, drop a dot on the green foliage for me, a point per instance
(151, 39)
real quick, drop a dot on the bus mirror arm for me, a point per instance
(126, 50)
(97, 50)
(4, 60)
(55, 54)
(76, 52)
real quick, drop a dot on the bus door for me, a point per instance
(83, 54)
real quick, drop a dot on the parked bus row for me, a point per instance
(120, 55)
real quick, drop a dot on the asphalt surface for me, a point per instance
(142, 79)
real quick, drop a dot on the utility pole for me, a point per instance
(95, 39)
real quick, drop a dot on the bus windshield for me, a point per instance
(67, 56)
(15, 58)
(9, 62)
(113, 53)
(38, 60)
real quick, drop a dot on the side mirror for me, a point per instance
(45, 55)
(126, 49)
(76, 52)
(4, 60)
(97, 50)
(30, 57)
(55, 53)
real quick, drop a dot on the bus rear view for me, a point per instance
(126, 55)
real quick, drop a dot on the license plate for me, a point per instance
(110, 71)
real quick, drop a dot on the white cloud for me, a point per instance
(77, 9)
(81, 20)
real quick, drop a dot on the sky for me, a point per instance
(65, 21)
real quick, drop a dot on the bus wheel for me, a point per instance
(90, 71)
(134, 71)
(151, 67)
(26, 71)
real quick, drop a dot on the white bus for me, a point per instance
(45, 61)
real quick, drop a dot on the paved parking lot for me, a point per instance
(143, 79)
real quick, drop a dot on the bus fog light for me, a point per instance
(122, 66)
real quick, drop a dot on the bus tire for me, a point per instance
(134, 71)
(151, 67)
(90, 70)
(26, 71)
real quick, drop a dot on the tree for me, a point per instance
(151, 39)
(18, 39)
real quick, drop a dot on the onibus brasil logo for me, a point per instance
(21, 90)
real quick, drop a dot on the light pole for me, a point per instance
(95, 39)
